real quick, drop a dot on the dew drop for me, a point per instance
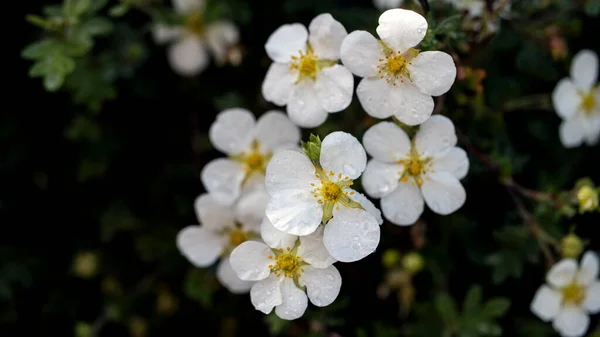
(356, 246)
(383, 188)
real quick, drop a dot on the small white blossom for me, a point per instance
(398, 80)
(287, 269)
(191, 42)
(303, 194)
(222, 228)
(572, 293)
(249, 144)
(383, 5)
(576, 100)
(305, 75)
(404, 173)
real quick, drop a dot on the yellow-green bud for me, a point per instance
(587, 198)
(413, 262)
(571, 246)
(390, 258)
(83, 329)
(85, 265)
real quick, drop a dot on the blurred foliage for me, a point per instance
(101, 162)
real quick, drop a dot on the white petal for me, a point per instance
(213, 214)
(275, 238)
(572, 132)
(571, 322)
(266, 294)
(565, 98)
(592, 298)
(186, 6)
(250, 208)
(404, 205)
(588, 270)
(443, 193)
(380, 179)
(223, 178)
(454, 161)
(289, 170)
(360, 52)
(322, 285)
(294, 302)
(342, 153)
(274, 130)
(250, 261)
(381, 99)
(366, 204)
(231, 132)
(286, 41)
(433, 72)
(326, 36)
(220, 35)
(562, 273)
(199, 245)
(163, 33)
(584, 69)
(334, 87)
(295, 212)
(304, 108)
(313, 251)
(279, 84)
(351, 235)
(229, 278)
(435, 136)
(401, 29)
(188, 56)
(386, 142)
(593, 131)
(546, 303)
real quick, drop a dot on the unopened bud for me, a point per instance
(413, 262)
(587, 198)
(85, 265)
(571, 246)
(390, 258)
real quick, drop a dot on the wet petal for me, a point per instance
(279, 84)
(366, 204)
(304, 108)
(223, 178)
(404, 205)
(294, 212)
(342, 153)
(213, 214)
(436, 136)
(360, 53)
(334, 88)
(290, 170)
(453, 161)
(275, 238)
(433, 72)
(443, 193)
(250, 208)
(322, 285)
(232, 131)
(274, 130)
(266, 294)
(286, 41)
(351, 235)
(294, 302)
(250, 261)
(326, 36)
(401, 29)
(380, 179)
(386, 142)
(313, 251)
(228, 278)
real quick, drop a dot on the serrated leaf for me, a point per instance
(472, 300)
(495, 307)
(446, 307)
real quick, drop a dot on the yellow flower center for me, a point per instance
(194, 23)
(588, 102)
(305, 65)
(332, 192)
(573, 294)
(415, 167)
(395, 65)
(287, 263)
(237, 236)
(253, 160)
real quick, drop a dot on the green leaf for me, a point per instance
(472, 300)
(119, 10)
(75, 8)
(39, 21)
(97, 5)
(53, 81)
(79, 41)
(39, 49)
(495, 307)
(54, 67)
(446, 307)
(97, 26)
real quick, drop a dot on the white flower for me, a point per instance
(577, 101)
(305, 74)
(287, 270)
(222, 228)
(383, 5)
(398, 79)
(570, 295)
(403, 172)
(303, 194)
(249, 145)
(188, 54)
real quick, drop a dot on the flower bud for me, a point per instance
(571, 246)
(413, 262)
(85, 265)
(390, 258)
(587, 198)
